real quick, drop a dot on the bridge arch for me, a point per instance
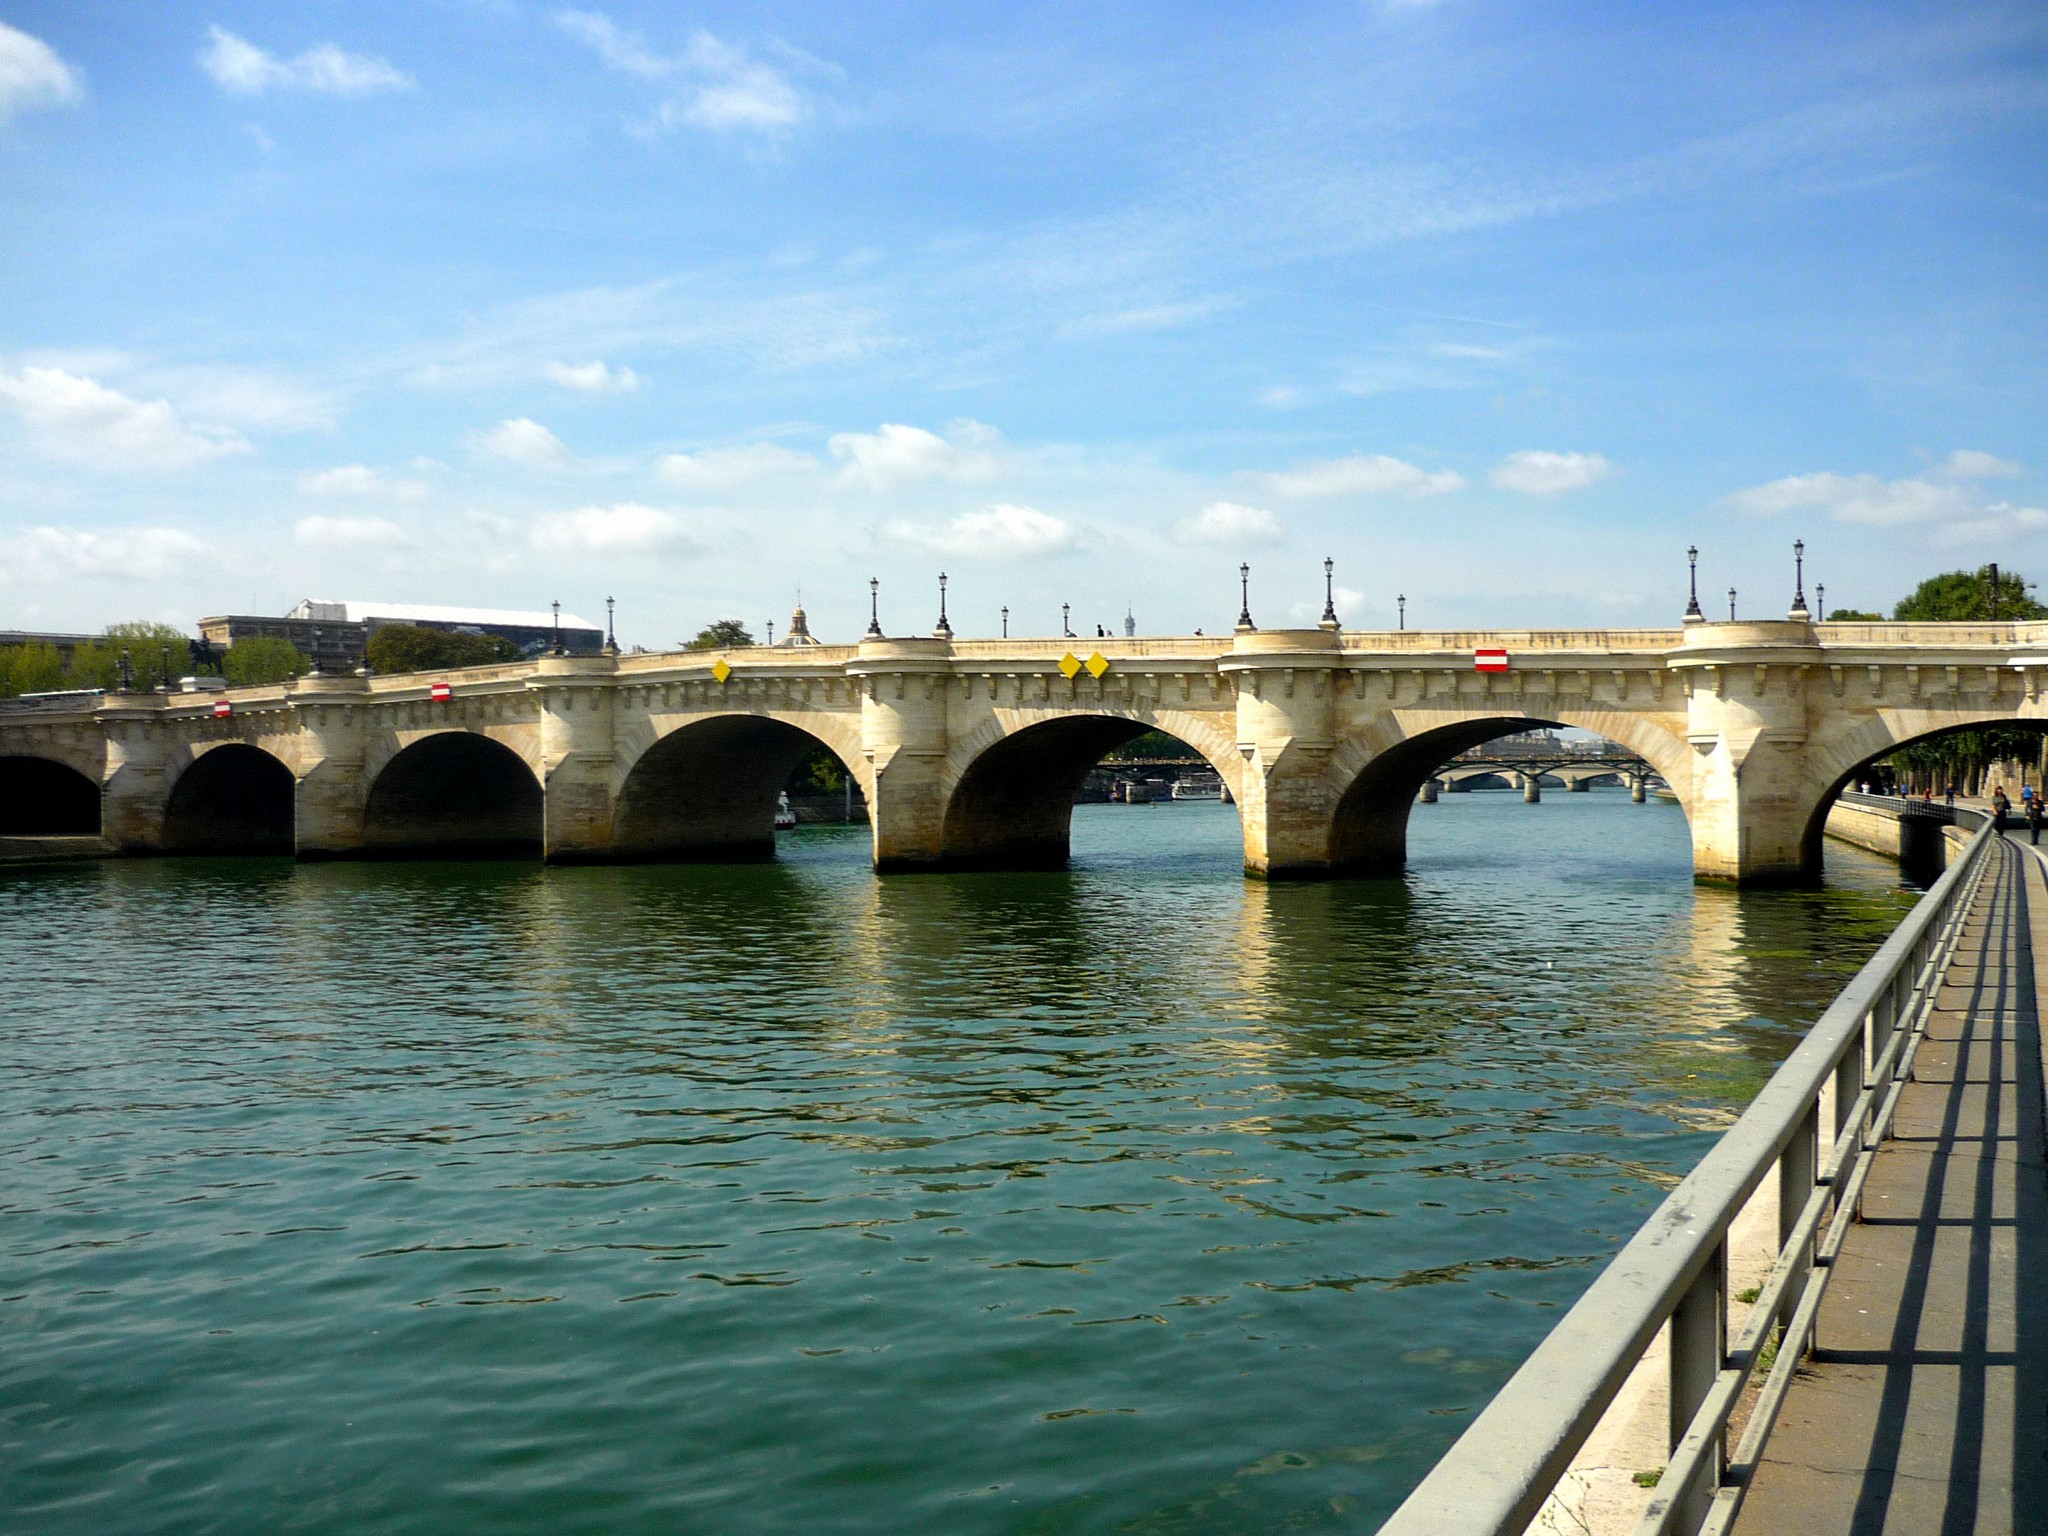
(1846, 754)
(1378, 773)
(1009, 786)
(42, 797)
(708, 790)
(231, 798)
(454, 794)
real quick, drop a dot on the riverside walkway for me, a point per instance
(1889, 1376)
(1924, 1408)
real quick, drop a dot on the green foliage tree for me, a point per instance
(720, 635)
(1155, 745)
(32, 668)
(263, 659)
(1960, 596)
(820, 773)
(416, 648)
(1854, 616)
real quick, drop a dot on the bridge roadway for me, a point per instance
(969, 751)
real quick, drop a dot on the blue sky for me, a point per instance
(1499, 305)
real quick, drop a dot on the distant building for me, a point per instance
(1130, 625)
(799, 630)
(63, 645)
(335, 632)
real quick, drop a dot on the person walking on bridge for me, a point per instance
(2000, 806)
(2034, 820)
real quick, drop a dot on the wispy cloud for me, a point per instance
(240, 67)
(1147, 317)
(1948, 510)
(32, 76)
(36, 555)
(523, 441)
(1972, 464)
(629, 527)
(350, 533)
(895, 455)
(1363, 474)
(721, 86)
(361, 481)
(1536, 472)
(718, 468)
(594, 378)
(78, 417)
(1231, 522)
(1001, 532)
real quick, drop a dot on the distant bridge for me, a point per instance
(969, 751)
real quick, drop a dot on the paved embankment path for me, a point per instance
(1924, 1411)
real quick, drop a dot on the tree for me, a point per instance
(416, 648)
(819, 773)
(720, 635)
(31, 668)
(261, 660)
(1854, 616)
(1960, 596)
(1154, 745)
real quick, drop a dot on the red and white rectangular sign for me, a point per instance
(222, 709)
(441, 693)
(1485, 660)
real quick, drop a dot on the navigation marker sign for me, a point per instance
(1489, 660)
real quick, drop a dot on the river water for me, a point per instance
(425, 1198)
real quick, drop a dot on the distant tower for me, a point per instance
(1130, 624)
(799, 629)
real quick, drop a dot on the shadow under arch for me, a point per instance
(1369, 832)
(234, 798)
(708, 791)
(40, 797)
(1012, 806)
(454, 794)
(1921, 851)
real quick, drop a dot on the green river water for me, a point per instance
(431, 1198)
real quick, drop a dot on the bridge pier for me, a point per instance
(133, 792)
(1430, 789)
(327, 805)
(1580, 785)
(576, 747)
(1532, 788)
(1638, 791)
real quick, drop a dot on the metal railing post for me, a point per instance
(1797, 1167)
(1699, 1346)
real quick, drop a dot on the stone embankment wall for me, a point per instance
(1866, 828)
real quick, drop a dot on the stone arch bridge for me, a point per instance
(969, 752)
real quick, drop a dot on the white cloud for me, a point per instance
(1536, 473)
(1951, 514)
(1364, 474)
(350, 533)
(594, 377)
(79, 417)
(122, 554)
(1230, 522)
(1000, 532)
(719, 467)
(1865, 499)
(360, 480)
(521, 440)
(898, 455)
(241, 67)
(724, 86)
(31, 75)
(628, 527)
(1970, 464)
(1150, 317)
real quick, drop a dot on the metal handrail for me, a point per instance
(1495, 1479)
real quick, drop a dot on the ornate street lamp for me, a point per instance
(1401, 610)
(1244, 587)
(1006, 621)
(1693, 615)
(127, 672)
(1066, 627)
(944, 630)
(875, 607)
(611, 639)
(1820, 601)
(1731, 605)
(1329, 619)
(1799, 580)
(558, 627)
(164, 686)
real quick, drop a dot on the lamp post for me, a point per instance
(944, 629)
(1066, 627)
(1731, 605)
(1693, 615)
(1799, 581)
(611, 639)
(875, 607)
(771, 634)
(1994, 591)
(165, 684)
(127, 672)
(1244, 588)
(558, 627)
(1820, 601)
(1006, 621)
(1329, 618)
(1401, 611)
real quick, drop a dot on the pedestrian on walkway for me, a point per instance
(1999, 807)
(2034, 820)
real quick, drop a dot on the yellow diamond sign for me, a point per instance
(1070, 664)
(720, 670)
(1097, 664)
